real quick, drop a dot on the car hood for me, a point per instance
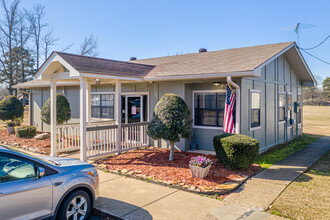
(63, 161)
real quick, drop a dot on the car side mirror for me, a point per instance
(41, 172)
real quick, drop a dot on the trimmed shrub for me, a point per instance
(11, 108)
(236, 151)
(171, 120)
(25, 131)
(63, 111)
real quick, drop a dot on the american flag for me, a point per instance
(228, 122)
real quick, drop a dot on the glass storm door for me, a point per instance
(134, 108)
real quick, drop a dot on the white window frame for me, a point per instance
(114, 103)
(250, 109)
(193, 108)
(287, 107)
(278, 107)
(299, 94)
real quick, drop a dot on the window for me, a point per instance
(14, 168)
(299, 113)
(281, 107)
(290, 115)
(255, 109)
(209, 108)
(103, 106)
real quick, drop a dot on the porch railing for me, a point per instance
(101, 138)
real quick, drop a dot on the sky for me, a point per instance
(154, 28)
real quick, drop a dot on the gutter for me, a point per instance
(238, 104)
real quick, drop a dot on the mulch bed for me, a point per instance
(154, 162)
(31, 144)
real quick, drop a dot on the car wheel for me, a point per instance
(76, 206)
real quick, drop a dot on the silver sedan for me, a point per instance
(42, 187)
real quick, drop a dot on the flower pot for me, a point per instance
(10, 130)
(199, 172)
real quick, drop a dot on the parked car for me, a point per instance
(45, 187)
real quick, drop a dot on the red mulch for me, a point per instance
(32, 144)
(154, 162)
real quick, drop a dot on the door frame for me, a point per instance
(136, 94)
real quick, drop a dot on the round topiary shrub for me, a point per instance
(11, 108)
(236, 151)
(171, 120)
(63, 111)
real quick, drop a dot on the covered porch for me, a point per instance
(102, 137)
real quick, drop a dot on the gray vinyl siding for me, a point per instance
(276, 77)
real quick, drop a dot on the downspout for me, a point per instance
(238, 104)
(30, 108)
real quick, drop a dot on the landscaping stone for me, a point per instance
(102, 166)
(124, 171)
(226, 186)
(42, 136)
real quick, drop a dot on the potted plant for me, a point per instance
(200, 166)
(10, 127)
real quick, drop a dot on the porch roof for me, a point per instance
(94, 65)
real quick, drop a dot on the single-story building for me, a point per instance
(112, 101)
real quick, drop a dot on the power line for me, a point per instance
(316, 45)
(315, 56)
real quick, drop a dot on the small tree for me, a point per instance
(11, 109)
(171, 120)
(63, 111)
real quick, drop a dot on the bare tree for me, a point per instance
(89, 46)
(48, 41)
(67, 47)
(22, 36)
(35, 18)
(7, 31)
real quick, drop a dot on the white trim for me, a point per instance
(193, 108)
(257, 70)
(103, 76)
(254, 128)
(207, 127)
(250, 109)
(198, 76)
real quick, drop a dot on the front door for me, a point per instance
(134, 108)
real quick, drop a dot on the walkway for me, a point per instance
(134, 199)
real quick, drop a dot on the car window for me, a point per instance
(15, 168)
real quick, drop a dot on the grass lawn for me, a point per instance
(282, 151)
(316, 120)
(308, 197)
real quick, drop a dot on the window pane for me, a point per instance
(281, 100)
(221, 117)
(255, 100)
(96, 112)
(13, 168)
(255, 118)
(96, 100)
(205, 117)
(221, 99)
(107, 112)
(205, 100)
(281, 114)
(105, 100)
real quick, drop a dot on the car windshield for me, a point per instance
(48, 161)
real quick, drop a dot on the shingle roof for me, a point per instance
(86, 64)
(221, 61)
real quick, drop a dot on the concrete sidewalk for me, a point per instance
(260, 192)
(134, 199)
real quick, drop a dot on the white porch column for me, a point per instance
(53, 141)
(83, 117)
(89, 101)
(118, 114)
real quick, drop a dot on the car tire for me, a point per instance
(70, 206)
